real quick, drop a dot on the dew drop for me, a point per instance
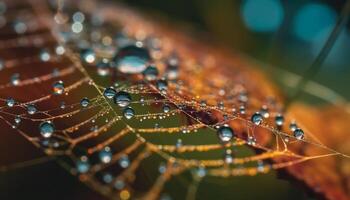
(88, 55)
(58, 87)
(162, 85)
(228, 158)
(257, 118)
(132, 59)
(105, 155)
(109, 92)
(150, 73)
(122, 99)
(298, 134)
(293, 126)
(10, 102)
(128, 113)
(84, 102)
(83, 165)
(166, 108)
(60, 50)
(15, 79)
(225, 133)
(31, 109)
(103, 68)
(265, 112)
(279, 120)
(18, 120)
(124, 161)
(44, 56)
(46, 129)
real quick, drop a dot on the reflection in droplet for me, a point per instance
(225, 133)
(128, 113)
(132, 59)
(122, 99)
(58, 88)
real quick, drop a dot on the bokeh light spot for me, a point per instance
(312, 19)
(262, 15)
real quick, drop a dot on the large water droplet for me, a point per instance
(122, 99)
(225, 133)
(46, 129)
(132, 59)
(128, 113)
(58, 87)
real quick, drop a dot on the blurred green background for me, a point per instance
(285, 34)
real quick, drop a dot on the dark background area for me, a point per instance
(284, 34)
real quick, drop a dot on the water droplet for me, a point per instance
(107, 178)
(105, 155)
(178, 143)
(228, 158)
(225, 133)
(298, 134)
(46, 129)
(18, 120)
(151, 73)
(279, 120)
(257, 118)
(293, 126)
(132, 59)
(78, 17)
(83, 165)
(122, 99)
(88, 55)
(84, 102)
(44, 55)
(166, 108)
(201, 172)
(109, 93)
(58, 87)
(264, 111)
(128, 113)
(162, 85)
(10, 102)
(31, 109)
(124, 161)
(103, 68)
(15, 79)
(60, 50)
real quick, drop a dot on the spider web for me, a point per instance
(180, 142)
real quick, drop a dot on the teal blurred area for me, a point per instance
(286, 35)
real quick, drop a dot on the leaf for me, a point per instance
(167, 144)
